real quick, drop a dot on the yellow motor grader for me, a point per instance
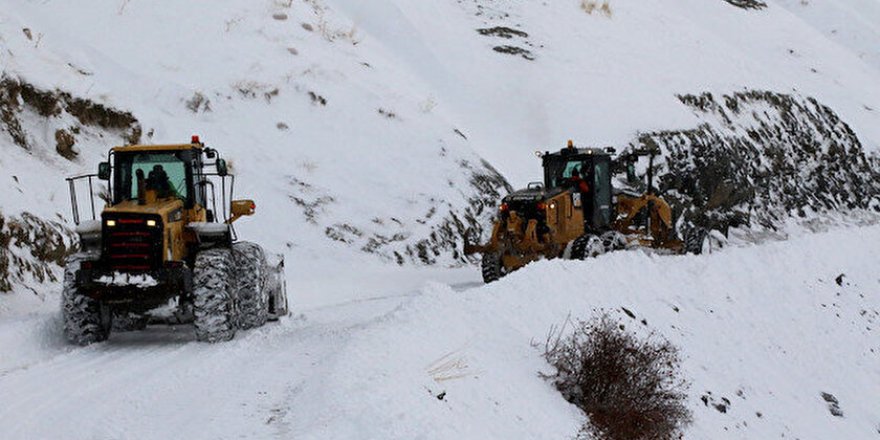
(161, 243)
(576, 213)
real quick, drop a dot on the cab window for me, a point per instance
(165, 169)
(560, 174)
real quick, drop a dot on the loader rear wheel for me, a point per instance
(694, 239)
(86, 320)
(213, 295)
(587, 246)
(493, 268)
(252, 293)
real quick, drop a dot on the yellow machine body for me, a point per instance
(547, 220)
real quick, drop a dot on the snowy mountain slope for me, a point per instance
(760, 159)
(765, 331)
(304, 113)
(362, 126)
(850, 23)
(601, 79)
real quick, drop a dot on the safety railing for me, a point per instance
(82, 180)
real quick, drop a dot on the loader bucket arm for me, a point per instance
(492, 246)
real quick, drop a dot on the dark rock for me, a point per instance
(833, 404)
(748, 4)
(760, 158)
(46, 243)
(503, 32)
(514, 50)
(64, 142)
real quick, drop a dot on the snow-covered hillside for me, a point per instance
(363, 126)
(373, 134)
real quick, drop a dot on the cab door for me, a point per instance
(601, 203)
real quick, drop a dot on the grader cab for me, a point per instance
(160, 241)
(575, 213)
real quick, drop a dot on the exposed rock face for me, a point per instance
(748, 4)
(30, 247)
(18, 98)
(762, 157)
(488, 187)
(447, 223)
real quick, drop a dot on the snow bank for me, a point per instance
(119, 279)
(768, 333)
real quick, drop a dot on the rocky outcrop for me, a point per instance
(761, 158)
(30, 248)
(487, 188)
(748, 4)
(70, 116)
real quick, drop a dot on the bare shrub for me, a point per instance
(629, 387)
(590, 6)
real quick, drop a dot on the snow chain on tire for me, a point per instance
(252, 293)
(86, 320)
(493, 267)
(587, 246)
(214, 295)
(613, 241)
(694, 239)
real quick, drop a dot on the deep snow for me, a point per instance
(766, 327)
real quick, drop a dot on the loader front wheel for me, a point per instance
(587, 246)
(493, 268)
(613, 241)
(214, 295)
(693, 240)
(86, 320)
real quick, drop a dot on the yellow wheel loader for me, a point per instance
(576, 213)
(160, 243)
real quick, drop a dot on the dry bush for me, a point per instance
(629, 387)
(590, 6)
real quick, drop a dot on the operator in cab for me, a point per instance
(577, 182)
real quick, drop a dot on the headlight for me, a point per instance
(111, 223)
(151, 223)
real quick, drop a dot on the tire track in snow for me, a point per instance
(239, 389)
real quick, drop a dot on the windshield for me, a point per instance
(164, 172)
(560, 172)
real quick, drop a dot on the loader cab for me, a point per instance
(173, 171)
(594, 166)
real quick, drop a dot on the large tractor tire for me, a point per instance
(587, 246)
(613, 241)
(693, 240)
(86, 320)
(493, 267)
(252, 294)
(214, 314)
